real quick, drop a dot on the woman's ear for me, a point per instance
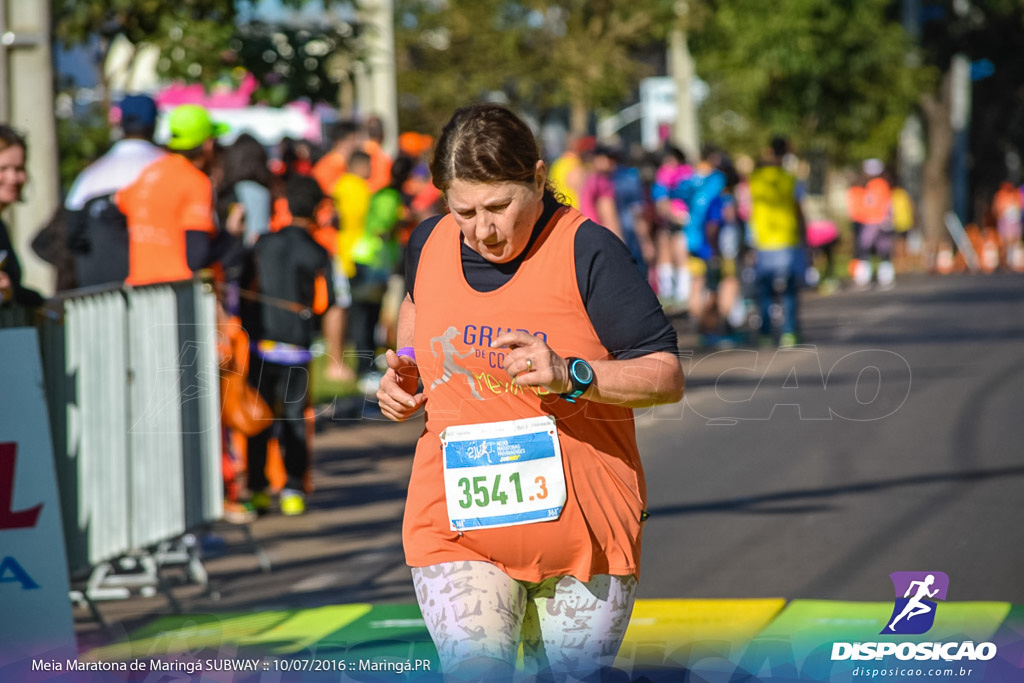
(540, 175)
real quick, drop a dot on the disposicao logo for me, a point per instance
(916, 593)
(913, 614)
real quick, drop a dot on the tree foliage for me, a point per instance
(989, 35)
(297, 62)
(832, 75)
(593, 49)
(534, 54)
(455, 52)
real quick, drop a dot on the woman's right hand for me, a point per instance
(397, 394)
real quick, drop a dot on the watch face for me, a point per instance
(582, 371)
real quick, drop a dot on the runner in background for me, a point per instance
(632, 204)
(291, 273)
(597, 196)
(875, 239)
(673, 257)
(904, 223)
(334, 324)
(726, 309)
(698, 192)
(777, 231)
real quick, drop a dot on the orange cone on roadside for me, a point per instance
(944, 260)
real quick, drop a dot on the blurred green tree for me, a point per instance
(832, 76)
(533, 54)
(591, 54)
(836, 77)
(455, 52)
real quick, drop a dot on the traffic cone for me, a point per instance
(944, 259)
(990, 251)
(1015, 257)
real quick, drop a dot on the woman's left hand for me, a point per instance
(532, 363)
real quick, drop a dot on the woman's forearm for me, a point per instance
(649, 380)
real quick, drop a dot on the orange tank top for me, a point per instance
(599, 529)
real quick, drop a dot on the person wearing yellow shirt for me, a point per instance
(351, 196)
(567, 172)
(777, 231)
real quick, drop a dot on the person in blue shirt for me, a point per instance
(698, 192)
(630, 203)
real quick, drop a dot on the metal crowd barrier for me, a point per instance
(133, 392)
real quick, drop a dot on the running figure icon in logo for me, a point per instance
(917, 589)
(450, 367)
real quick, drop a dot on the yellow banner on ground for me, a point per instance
(276, 632)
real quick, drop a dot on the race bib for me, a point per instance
(503, 473)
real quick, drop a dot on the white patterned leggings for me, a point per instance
(477, 615)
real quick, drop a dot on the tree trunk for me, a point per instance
(579, 117)
(936, 195)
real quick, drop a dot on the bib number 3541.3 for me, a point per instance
(503, 473)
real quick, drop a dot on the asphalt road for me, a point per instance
(894, 440)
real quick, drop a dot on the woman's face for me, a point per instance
(497, 219)
(12, 174)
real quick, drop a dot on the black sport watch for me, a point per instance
(581, 375)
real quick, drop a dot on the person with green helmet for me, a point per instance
(169, 207)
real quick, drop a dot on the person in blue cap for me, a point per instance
(97, 232)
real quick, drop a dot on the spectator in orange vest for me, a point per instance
(169, 208)
(876, 233)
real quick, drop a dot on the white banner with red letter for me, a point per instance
(35, 611)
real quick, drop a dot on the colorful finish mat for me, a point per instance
(727, 640)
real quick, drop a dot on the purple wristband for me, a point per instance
(408, 352)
